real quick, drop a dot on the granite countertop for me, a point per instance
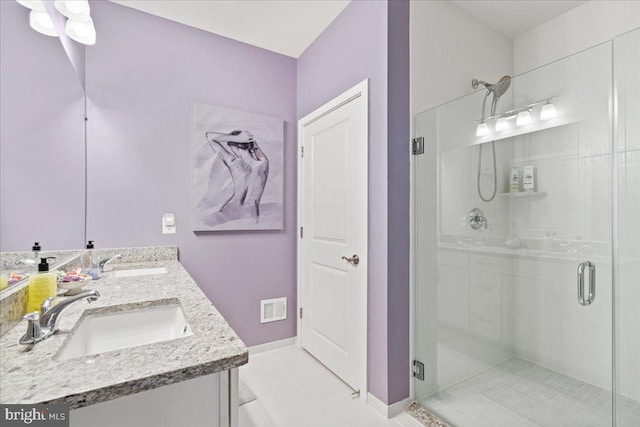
(31, 374)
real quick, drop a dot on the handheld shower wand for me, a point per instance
(498, 89)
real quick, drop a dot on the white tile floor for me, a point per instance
(295, 390)
(523, 394)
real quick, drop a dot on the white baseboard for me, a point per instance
(273, 345)
(387, 411)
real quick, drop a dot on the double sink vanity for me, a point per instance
(149, 349)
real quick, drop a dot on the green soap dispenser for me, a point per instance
(42, 285)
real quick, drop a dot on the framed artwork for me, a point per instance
(237, 170)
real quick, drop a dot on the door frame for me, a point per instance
(357, 91)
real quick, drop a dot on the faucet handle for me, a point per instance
(46, 305)
(104, 262)
(34, 332)
(477, 219)
(93, 297)
(33, 316)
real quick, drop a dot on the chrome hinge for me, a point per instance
(301, 312)
(301, 232)
(417, 146)
(301, 151)
(417, 369)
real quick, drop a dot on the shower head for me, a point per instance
(502, 86)
(498, 89)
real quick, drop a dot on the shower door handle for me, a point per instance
(592, 282)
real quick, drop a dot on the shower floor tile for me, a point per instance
(518, 393)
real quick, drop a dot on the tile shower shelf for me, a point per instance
(524, 195)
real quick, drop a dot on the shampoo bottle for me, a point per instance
(528, 179)
(514, 181)
(42, 285)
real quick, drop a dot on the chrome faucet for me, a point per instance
(44, 324)
(106, 261)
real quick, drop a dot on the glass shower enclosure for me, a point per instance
(526, 300)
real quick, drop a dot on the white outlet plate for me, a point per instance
(168, 224)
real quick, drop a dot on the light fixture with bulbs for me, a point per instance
(39, 19)
(523, 115)
(548, 111)
(502, 124)
(482, 129)
(81, 31)
(73, 9)
(42, 23)
(33, 4)
(79, 25)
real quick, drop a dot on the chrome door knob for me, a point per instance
(355, 259)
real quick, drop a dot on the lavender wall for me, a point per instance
(143, 76)
(41, 139)
(398, 208)
(355, 47)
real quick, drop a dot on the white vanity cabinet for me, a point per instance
(206, 401)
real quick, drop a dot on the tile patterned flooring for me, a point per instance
(520, 393)
(295, 390)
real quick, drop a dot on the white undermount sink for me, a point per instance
(139, 272)
(99, 333)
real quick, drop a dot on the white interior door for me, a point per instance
(333, 239)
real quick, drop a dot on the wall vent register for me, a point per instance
(273, 309)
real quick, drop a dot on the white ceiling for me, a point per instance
(283, 26)
(290, 26)
(515, 17)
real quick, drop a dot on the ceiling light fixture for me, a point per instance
(33, 4)
(81, 31)
(74, 9)
(42, 23)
